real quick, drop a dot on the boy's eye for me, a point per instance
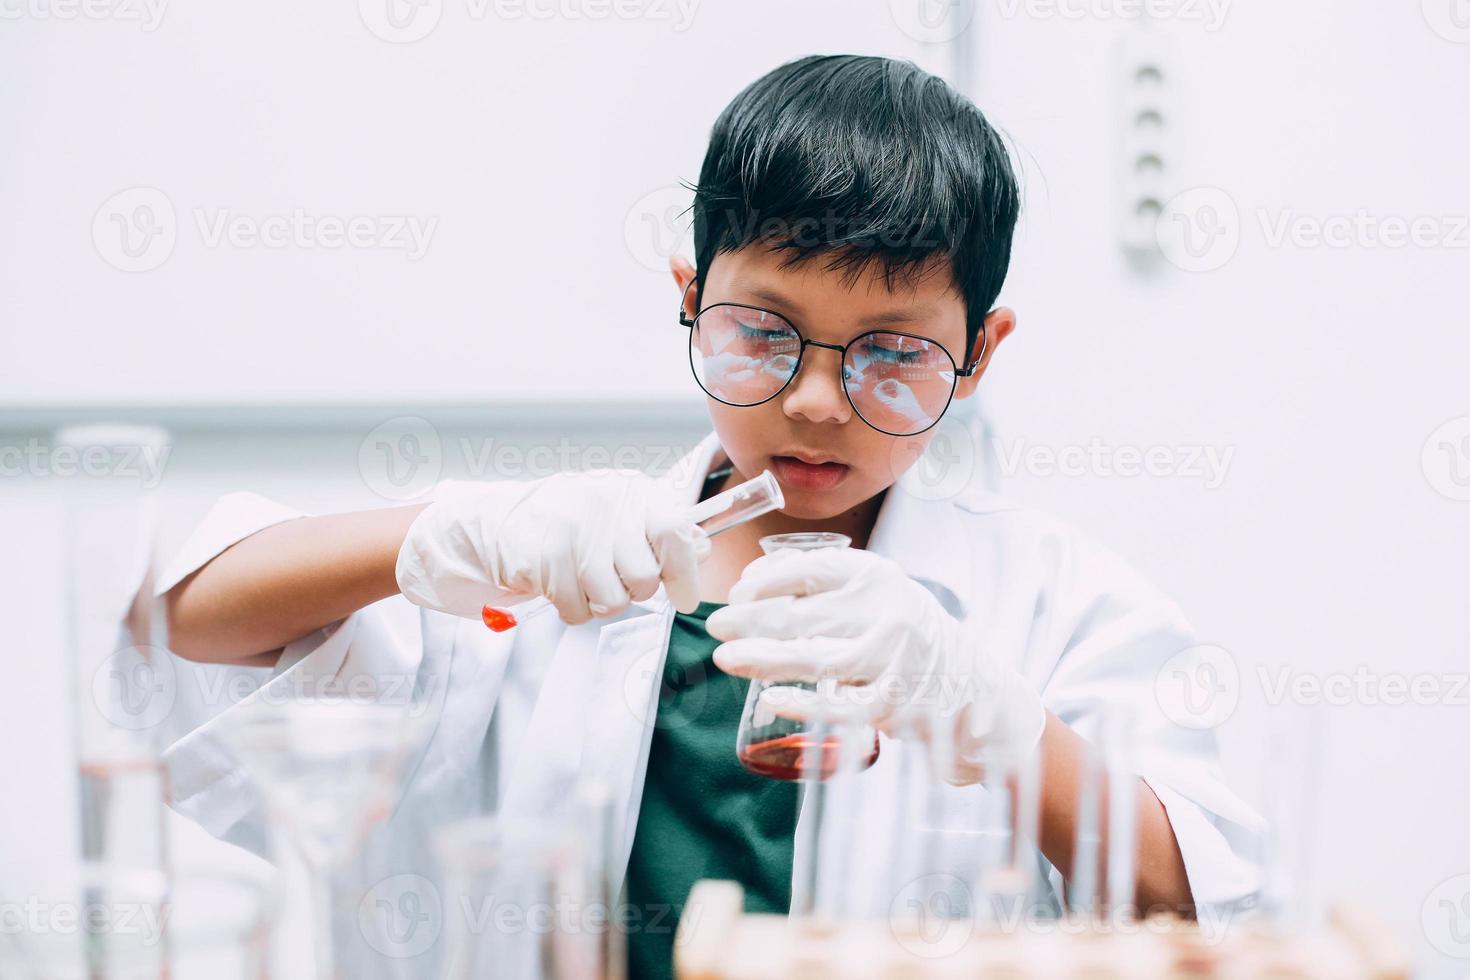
(751, 331)
(896, 350)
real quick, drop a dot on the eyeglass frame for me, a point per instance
(686, 321)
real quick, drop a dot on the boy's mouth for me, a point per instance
(808, 474)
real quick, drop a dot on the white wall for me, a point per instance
(1322, 371)
(538, 157)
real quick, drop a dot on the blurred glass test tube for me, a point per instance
(1104, 857)
(121, 677)
(551, 875)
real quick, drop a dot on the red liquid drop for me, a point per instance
(498, 620)
(785, 757)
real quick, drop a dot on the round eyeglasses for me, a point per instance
(899, 384)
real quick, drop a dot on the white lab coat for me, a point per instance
(527, 713)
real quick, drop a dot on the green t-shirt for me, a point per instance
(703, 814)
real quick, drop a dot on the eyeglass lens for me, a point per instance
(898, 384)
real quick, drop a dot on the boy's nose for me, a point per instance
(816, 394)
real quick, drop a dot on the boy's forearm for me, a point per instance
(1162, 881)
(284, 581)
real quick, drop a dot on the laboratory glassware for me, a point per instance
(777, 747)
(1010, 812)
(1292, 899)
(529, 898)
(328, 770)
(828, 833)
(1104, 876)
(936, 849)
(729, 508)
(93, 921)
(121, 677)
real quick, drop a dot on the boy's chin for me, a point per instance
(808, 506)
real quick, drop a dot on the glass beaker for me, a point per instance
(526, 898)
(328, 770)
(779, 748)
(93, 921)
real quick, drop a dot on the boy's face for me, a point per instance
(826, 458)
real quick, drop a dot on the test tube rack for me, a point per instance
(717, 940)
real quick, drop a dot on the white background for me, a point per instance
(1330, 544)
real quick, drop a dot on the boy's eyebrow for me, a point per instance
(911, 314)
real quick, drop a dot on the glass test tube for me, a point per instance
(739, 504)
(121, 679)
(1104, 858)
(538, 868)
(1010, 823)
(1117, 745)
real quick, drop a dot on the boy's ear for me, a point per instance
(683, 271)
(998, 326)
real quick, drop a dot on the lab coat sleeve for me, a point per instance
(234, 517)
(1110, 640)
(372, 654)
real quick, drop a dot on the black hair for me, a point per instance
(860, 158)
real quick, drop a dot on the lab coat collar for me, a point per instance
(920, 531)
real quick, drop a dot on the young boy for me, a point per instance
(853, 225)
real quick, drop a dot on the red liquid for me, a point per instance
(498, 620)
(785, 757)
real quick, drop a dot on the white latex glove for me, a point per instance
(590, 542)
(901, 661)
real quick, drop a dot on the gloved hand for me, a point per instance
(901, 661)
(590, 542)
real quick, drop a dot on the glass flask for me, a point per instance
(781, 748)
